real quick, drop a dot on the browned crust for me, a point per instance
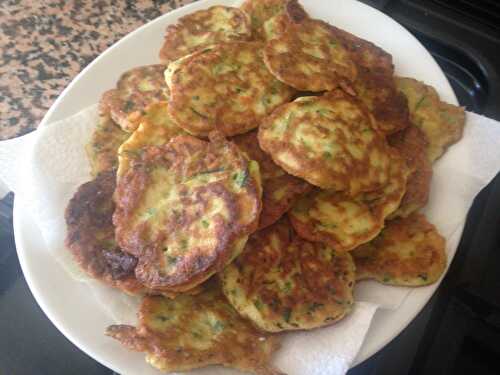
(330, 179)
(340, 231)
(261, 11)
(375, 84)
(317, 282)
(273, 208)
(442, 123)
(129, 337)
(328, 74)
(249, 144)
(295, 11)
(309, 231)
(220, 115)
(379, 93)
(90, 236)
(175, 156)
(127, 103)
(381, 260)
(412, 144)
(239, 346)
(366, 54)
(274, 180)
(174, 45)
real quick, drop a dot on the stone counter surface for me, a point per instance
(45, 44)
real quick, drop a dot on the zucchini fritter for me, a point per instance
(378, 92)
(135, 91)
(156, 129)
(329, 141)
(91, 235)
(185, 210)
(282, 282)
(442, 123)
(195, 31)
(279, 189)
(375, 84)
(412, 144)
(307, 55)
(366, 54)
(225, 87)
(261, 11)
(192, 332)
(102, 148)
(409, 252)
(345, 222)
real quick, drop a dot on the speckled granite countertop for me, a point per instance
(44, 44)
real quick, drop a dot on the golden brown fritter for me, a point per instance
(412, 144)
(91, 235)
(195, 31)
(135, 91)
(102, 148)
(375, 84)
(307, 55)
(378, 92)
(329, 141)
(185, 210)
(345, 222)
(366, 54)
(279, 196)
(442, 123)
(261, 11)
(279, 189)
(192, 332)
(225, 87)
(91, 238)
(282, 282)
(409, 252)
(156, 129)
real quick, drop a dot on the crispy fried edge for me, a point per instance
(436, 269)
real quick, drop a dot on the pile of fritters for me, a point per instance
(248, 181)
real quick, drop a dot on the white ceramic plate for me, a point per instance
(68, 303)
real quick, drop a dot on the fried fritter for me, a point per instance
(345, 222)
(185, 210)
(378, 92)
(442, 123)
(91, 238)
(279, 196)
(307, 55)
(225, 87)
(279, 189)
(412, 144)
(282, 282)
(329, 141)
(375, 84)
(275, 26)
(409, 252)
(135, 91)
(366, 54)
(103, 146)
(195, 31)
(192, 332)
(156, 129)
(261, 11)
(91, 235)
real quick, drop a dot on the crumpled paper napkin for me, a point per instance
(44, 169)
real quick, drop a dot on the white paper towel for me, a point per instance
(46, 167)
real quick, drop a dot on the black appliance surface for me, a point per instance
(457, 331)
